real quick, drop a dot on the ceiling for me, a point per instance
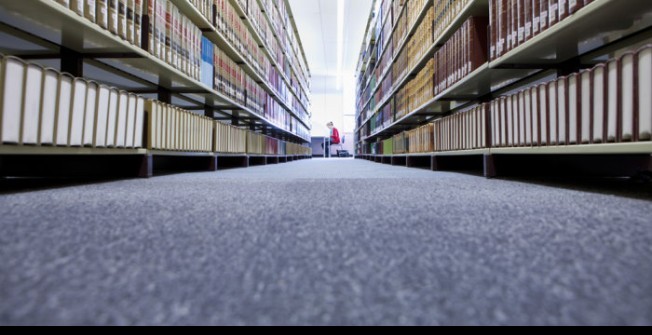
(317, 24)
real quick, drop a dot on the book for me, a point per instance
(77, 6)
(112, 119)
(553, 114)
(12, 90)
(113, 16)
(528, 117)
(90, 114)
(102, 13)
(586, 111)
(544, 115)
(528, 16)
(545, 16)
(563, 10)
(31, 104)
(628, 103)
(574, 107)
(49, 106)
(574, 6)
(131, 121)
(613, 108)
(536, 116)
(90, 10)
(131, 24)
(64, 106)
(536, 17)
(562, 110)
(553, 12)
(139, 129)
(77, 111)
(600, 102)
(122, 19)
(644, 93)
(121, 121)
(138, 22)
(101, 121)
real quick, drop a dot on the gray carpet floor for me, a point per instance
(324, 243)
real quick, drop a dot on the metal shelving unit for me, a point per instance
(592, 35)
(59, 26)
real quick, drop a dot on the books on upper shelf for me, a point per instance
(514, 22)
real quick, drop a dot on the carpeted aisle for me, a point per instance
(324, 242)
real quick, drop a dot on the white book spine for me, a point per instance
(536, 115)
(101, 123)
(121, 126)
(49, 106)
(140, 123)
(553, 114)
(30, 122)
(64, 109)
(528, 118)
(112, 120)
(586, 110)
(13, 90)
(562, 109)
(131, 121)
(543, 105)
(78, 109)
(645, 93)
(628, 86)
(613, 106)
(90, 114)
(598, 104)
(573, 100)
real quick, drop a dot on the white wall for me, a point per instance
(333, 103)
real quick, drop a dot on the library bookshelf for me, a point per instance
(507, 81)
(149, 52)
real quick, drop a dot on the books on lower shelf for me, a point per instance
(421, 139)
(174, 129)
(43, 107)
(606, 104)
(230, 139)
(463, 131)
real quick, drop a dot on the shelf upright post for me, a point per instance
(164, 95)
(72, 62)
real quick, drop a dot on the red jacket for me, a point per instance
(335, 137)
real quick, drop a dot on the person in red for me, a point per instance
(333, 139)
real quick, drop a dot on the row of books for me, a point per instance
(466, 130)
(400, 32)
(462, 54)
(43, 107)
(171, 128)
(400, 144)
(155, 25)
(226, 20)
(289, 46)
(421, 41)
(608, 103)
(172, 37)
(121, 17)
(230, 139)
(420, 89)
(420, 139)
(414, 8)
(514, 22)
